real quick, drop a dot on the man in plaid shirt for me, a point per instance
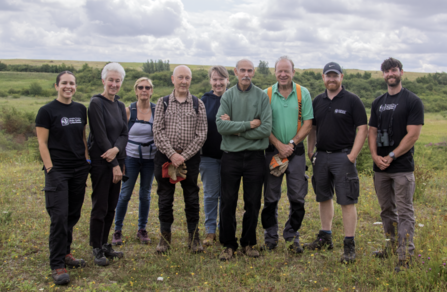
(180, 129)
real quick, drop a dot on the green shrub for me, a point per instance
(35, 89)
(3, 94)
(16, 95)
(13, 91)
(17, 122)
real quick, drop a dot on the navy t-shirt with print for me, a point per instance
(65, 123)
(408, 110)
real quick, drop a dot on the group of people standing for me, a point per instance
(241, 133)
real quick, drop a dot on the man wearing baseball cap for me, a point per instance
(339, 130)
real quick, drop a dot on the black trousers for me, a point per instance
(166, 191)
(250, 166)
(64, 196)
(105, 197)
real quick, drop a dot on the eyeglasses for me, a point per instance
(144, 87)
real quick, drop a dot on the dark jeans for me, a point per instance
(64, 196)
(104, 199)
(166, 191)
(250, 166)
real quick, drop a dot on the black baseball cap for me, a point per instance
(332, 67)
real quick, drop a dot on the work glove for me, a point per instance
(278, 166)
(181, 171)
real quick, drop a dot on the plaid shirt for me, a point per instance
(180, 128)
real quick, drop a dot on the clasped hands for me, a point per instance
(382, 162)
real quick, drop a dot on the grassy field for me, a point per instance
(78, 64)
(24, 227)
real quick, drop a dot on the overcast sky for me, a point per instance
(357, 34)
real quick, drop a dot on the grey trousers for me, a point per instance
(297, 187)
(395, 194)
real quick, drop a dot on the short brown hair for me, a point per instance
(390, 63)
(221, 70)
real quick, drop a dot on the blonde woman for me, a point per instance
(140, 151)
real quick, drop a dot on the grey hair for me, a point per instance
(237, 64)
(115, 67)
(285, 58)
(221, 70)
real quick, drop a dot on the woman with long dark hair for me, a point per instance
(60, 127)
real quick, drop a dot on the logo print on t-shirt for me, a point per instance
(65, 122)
(387, 107)
(340, 111)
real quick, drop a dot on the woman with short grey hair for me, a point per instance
(107, 149)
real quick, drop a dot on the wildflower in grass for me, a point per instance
(444, 264)
(429, 269)
(423, 262)
(428, 257)
(419, 255)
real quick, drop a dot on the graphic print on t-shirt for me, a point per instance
(340, 111)
(387, 107)
(67, 121)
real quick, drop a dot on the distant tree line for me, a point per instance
(431, 88)
(155, 66)
(32, 68)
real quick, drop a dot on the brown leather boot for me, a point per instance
(165, 242)
(210, 239)
(194, 243)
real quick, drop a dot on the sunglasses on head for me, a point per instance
(144, 87)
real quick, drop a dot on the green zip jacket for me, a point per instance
(243, 107)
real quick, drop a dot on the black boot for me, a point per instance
(323, 239)
(349, 251)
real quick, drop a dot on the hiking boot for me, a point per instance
(210, 239)
(110, 253)
(268, 246)
(143, 237)
(165, 242)
(60, 276)
(250, 252)
(402, 265)
(117, 238)
(100, 259)
(194, 243)
(296, 248)
(226, 254)
(389, 249)
(323, 239)
(349, 251)
(72, 262)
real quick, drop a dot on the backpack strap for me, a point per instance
(165, 102)
(300, 113)
(133, 115)
(269, 93)
(153, 109)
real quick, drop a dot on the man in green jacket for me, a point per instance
(244, 120)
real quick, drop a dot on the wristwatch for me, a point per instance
(392, 155)
(293, 143)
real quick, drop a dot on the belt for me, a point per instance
(346, 150)
(148, 144)
(179, 151)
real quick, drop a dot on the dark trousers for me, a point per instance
(104, 199)
(166, 191)
(250, 166)
(64, 196)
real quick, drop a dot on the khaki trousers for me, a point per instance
(395, 194)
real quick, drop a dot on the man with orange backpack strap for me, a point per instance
(292, 116)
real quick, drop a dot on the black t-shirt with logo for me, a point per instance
(408, 110)
(65, 123)
(337, 120)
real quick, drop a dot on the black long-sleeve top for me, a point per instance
(108, 127)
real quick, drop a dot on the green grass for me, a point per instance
(19, 80)
(24, 227)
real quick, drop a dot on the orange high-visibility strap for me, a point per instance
(299, 97)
